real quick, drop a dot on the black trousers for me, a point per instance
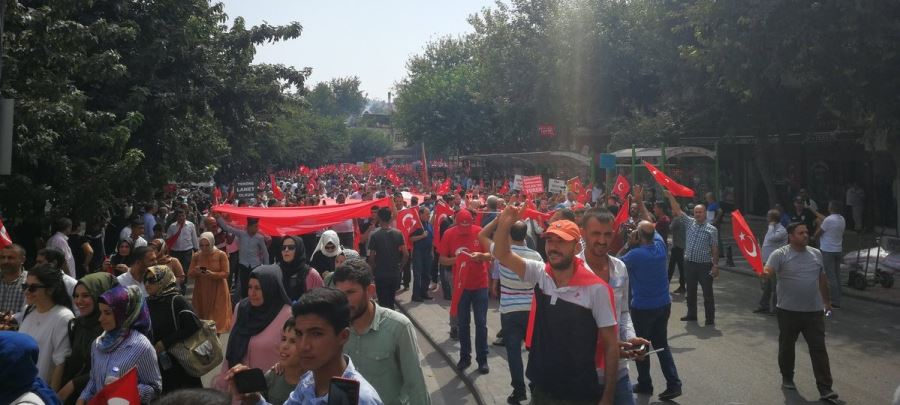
(676, 258)
(699, 273)
(407, 274)
(812, 325)
(386, 290)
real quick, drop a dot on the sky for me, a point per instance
(369, 39)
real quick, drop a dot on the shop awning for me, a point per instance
(671, 153)
(548, 158)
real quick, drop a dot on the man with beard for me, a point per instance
(382, 341)
(12, 265)
(597, 231)
(574, 313)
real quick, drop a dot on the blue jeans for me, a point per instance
(473, 301)
(652, 324)
(514, 326)
(421, 268)
(623, 396)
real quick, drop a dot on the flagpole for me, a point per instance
(633, 168)
(716, 192)
(425, 182)
(663, 153)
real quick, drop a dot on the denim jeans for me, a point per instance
(473, 301)
(832, 263)
(421, 268)
(652, 324)
(624, 394)
(514, 326)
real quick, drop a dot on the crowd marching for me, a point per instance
(582, 277)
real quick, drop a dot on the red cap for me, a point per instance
(463, 215)
(565, 229)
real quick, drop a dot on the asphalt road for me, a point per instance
(735, 362)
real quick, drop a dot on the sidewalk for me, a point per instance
(877, 293)
(432, 318)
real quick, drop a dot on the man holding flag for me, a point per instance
(701, 260)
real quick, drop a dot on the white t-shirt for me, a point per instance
(126, 279)
(70, 283)
(51, 331)
(832, 234)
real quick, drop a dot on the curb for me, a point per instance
(850, 292)
(462, 376)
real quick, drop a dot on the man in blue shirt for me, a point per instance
(651, 304)
(322, 325)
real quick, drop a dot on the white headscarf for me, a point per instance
(328, 236)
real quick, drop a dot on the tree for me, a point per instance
(341, 97)
(366, 144)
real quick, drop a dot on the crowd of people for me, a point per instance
(582, 282)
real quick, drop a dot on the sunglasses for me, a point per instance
(31, 287)
(288, 247)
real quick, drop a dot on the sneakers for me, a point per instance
(454, 334)
(788, 384)
(688, 318)
(760, 310)
(499, 342)
(463, 364)
(516, 397)
(638, 389)
(828, 395)
(484, 368)
(433, 287)
(679, 290)
(710, 322)
(670, 394)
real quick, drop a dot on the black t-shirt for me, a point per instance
(806, 217)
(386, 244)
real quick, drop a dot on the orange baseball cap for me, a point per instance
(565, 229)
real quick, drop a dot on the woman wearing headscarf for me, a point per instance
(345, 255)
(212, 299)
(328, 249)
(124, 344)
(46, 319)
(297, 275)
(172, 319)
(82, 333)
(257, 325)
(19, 381)
(163, 258)
(122, 259)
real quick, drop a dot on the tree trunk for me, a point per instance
(762, 164)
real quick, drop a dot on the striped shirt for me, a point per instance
(11, 296)
(134, 351)
(701, 239)
(515, 294)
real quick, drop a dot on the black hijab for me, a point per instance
(294, 272)
(251, 320)
(119, 259)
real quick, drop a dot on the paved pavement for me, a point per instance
(734, 362)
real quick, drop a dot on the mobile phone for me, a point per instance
(203, 269)
(637, 349)
(650, 352)
(343, 391)
(250, 380)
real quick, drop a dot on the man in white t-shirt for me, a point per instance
(145, 257)
(831, 237)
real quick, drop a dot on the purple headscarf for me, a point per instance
(131, 313)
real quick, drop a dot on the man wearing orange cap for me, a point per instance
(572, 331)
(471, 273)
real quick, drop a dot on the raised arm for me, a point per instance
(502, 242)
(676, 207)
(639, 200)
(485, 235)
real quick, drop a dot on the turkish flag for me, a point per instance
(574, 185)
(622, 215)
(276, 191)
(746, 241)
(505, 188)
(676, 189)
(541, 217)
(441, 210)
(461, 268)
(445, 187)
(407, 222)
(121, 391)
(310, 186)
(5, 240)
(586, 195)
(622, 187)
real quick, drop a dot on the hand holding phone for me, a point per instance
(343, 391)
(250, 381)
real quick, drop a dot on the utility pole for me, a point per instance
(391, 117)
(6, 111)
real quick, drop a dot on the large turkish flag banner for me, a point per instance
(746, 241)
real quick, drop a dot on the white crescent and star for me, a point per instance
(743, 238)
(410, 217)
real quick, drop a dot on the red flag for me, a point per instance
(458, 188)
(121, 391)
(217, 196)
(622, 215)
(541, 217)
(276, 191)
(441, 210)
(505, 188)
(746, 241)
(676, 189)
(622, 187)
(574, 185)
(5, 240)
(310, 186)
(481, 184)
(407, 222)
(445, 187)
(586, 195)
(463, 265)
